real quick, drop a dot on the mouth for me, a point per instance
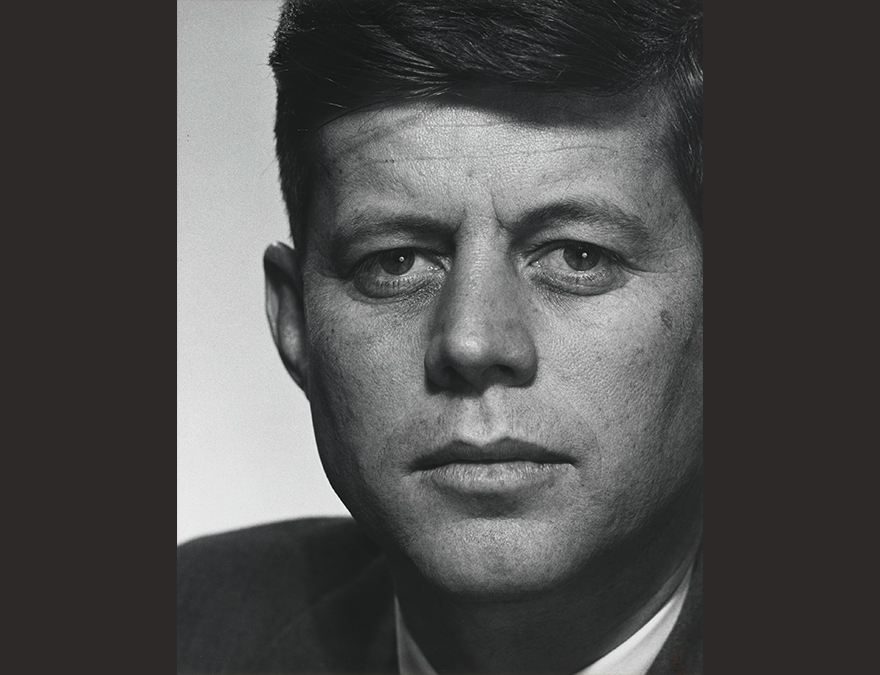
(507, 467)
(500, 452)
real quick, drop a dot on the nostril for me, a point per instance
(455, 380)
(475, 378)
(502, 372)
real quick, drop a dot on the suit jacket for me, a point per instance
(315, 596)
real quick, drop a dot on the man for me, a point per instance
(494, 307)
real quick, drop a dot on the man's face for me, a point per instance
(503, 330)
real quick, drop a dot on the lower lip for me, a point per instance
(495, 477)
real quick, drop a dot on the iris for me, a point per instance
(581, 257)
(397, 261)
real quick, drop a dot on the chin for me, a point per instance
(494, 560)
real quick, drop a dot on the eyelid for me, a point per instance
(373, 258)
(543, 250)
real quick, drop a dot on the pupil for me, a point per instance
(581, 257)
(398, 261)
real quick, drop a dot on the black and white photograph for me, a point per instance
(440, 337)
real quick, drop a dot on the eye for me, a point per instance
(574, 256)
(396, 272)
(578, 267)
(397, 261)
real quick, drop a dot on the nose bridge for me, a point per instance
(481, 334)
(479, 300)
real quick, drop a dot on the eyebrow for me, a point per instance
(372, 224)
(605, 218)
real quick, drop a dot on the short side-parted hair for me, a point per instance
(335, 56)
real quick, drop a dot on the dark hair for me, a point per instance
(335, 56)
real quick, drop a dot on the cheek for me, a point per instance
(360, 382)
(638, 383)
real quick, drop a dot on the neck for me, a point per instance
(561, 631)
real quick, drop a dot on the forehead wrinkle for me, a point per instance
(523, 111)
(367, 131)
(421, 119)
(372, 178)
(396, 140)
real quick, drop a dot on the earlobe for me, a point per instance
(284, 309)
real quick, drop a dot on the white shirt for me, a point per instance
(631, 657)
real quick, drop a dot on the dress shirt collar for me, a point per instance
(633, 656)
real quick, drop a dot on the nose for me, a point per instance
(480, 333)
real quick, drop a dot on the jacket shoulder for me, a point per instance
(237, 592)
(321, 552)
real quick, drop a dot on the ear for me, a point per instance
(284, 309)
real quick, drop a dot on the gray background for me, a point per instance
(245, 447)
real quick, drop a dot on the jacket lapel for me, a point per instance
(348, 630)
(682, 654)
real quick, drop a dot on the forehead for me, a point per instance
(448, 160)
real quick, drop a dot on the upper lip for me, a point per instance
(506, 450)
